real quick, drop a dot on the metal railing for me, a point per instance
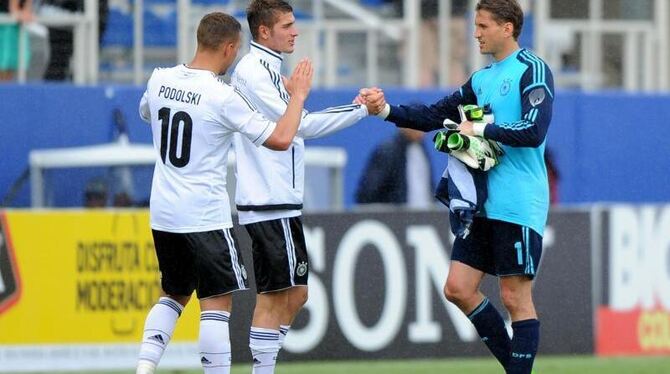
(122, 153)
(645, 60)
(323, 33)
(645, 43)
(320, 27)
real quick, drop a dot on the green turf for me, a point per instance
(544, 365)
(554, 365)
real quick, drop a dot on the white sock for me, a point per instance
(214, 342)
(158, 329)
(145, 367)
(264, 344)
(283, 330)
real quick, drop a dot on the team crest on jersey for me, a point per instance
(9, 281)
(536, 96)
(301, 270)
(505, 87)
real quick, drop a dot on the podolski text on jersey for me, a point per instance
(187, 97)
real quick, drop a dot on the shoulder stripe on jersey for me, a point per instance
(543, 68)
(539, 71)
(275, 81)
(540, 67)
(539, 80)
(273, 76)
(246, 100)
(534, 65)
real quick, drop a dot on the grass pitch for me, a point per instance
(544, 365)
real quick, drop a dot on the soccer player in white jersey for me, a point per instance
(193, 116)
(270, 184)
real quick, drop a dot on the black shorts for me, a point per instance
(499, 248)
(207, 262)
(280, 254)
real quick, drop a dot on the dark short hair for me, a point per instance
(217, 28)
(265, 13)
(504, 11)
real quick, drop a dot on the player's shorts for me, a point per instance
(208, 262)
(499, 248)
(280, 254)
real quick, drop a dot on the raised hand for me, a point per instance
(287, 84)
(300, 82)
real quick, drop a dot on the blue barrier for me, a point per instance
(608, 146)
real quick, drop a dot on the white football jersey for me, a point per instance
(193, 116)
(270, 184)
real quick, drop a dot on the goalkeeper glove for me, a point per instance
(474, 151)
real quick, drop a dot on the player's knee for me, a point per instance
(299, 297)
(269, 306)
(511, 299)
(456, 292)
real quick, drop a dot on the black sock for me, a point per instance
(524, 346)
(491, 328)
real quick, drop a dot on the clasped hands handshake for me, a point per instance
(372, 98)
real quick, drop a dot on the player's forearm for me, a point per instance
(418, 117)
(427, 117)
(288, 124)
(527, 137)
(326, 122)
(522, 133)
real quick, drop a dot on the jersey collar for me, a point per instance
(187, 69)
(511, 57)
(271, 57)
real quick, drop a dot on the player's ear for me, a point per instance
(230, 49)
(263, 32)
(508, 27)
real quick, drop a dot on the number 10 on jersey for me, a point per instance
(170, 135)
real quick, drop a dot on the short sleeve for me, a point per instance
(145, 113)
(240, 115)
